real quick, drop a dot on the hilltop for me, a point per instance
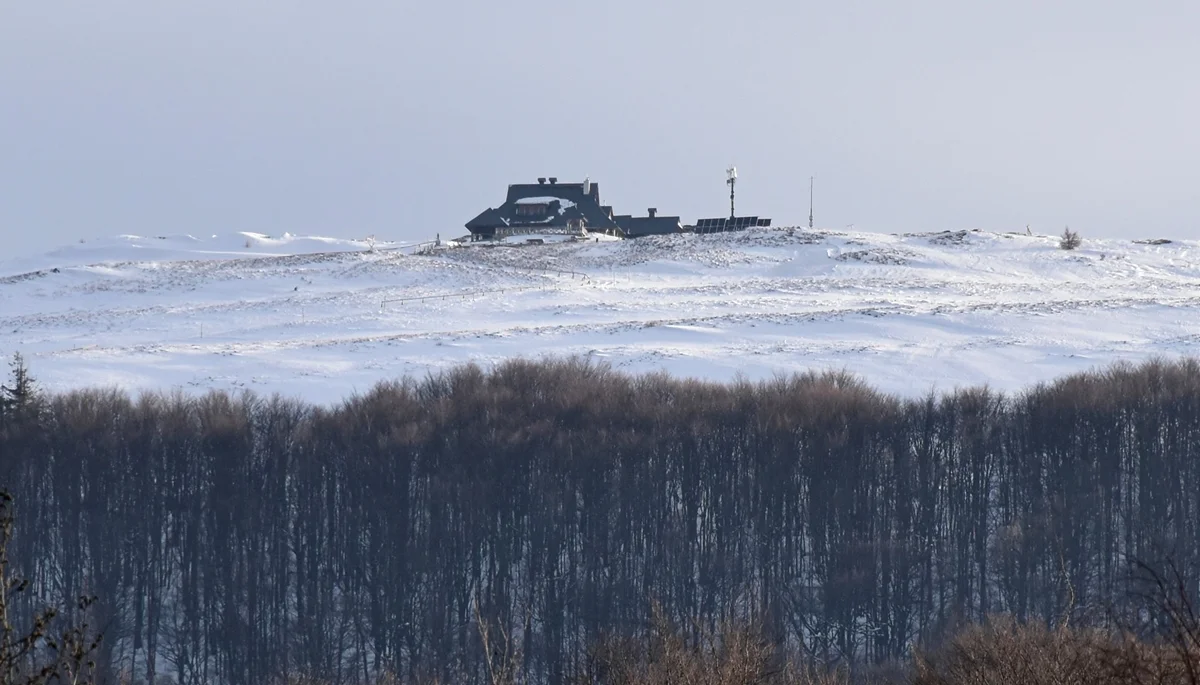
(321, 318)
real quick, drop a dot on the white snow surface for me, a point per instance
(321, 318)
(545, 200)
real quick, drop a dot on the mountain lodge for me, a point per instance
(552, 207)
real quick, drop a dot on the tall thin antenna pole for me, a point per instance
(810, 201)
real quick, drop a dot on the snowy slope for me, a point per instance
(321, 318)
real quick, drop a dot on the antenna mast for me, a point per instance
(810, 201)
(731, 179)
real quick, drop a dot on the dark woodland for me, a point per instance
(244, 540)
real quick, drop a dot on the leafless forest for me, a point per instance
(244, 539)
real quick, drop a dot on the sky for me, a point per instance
(403, 120)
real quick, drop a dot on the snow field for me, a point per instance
(320, 318)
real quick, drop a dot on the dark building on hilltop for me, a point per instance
(546, 206)
(552, 207)
(651, 224)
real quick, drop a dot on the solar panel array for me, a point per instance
(737, 223)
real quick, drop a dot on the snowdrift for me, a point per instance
(321, 317)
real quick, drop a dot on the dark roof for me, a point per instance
(489, 217)
(636, 226)
(566, 202)
(567, 191)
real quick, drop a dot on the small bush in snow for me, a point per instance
(1070, 239)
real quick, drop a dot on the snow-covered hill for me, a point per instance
(321, 318)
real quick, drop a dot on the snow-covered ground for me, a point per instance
(321, 318)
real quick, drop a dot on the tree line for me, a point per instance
(238, 539)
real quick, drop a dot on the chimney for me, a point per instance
(652, 211)
(541, 180)
(553, 180)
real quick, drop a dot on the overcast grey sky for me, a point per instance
(402, 119)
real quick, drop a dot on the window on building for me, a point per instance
(532, 210)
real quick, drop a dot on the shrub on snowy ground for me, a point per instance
(1070, 239)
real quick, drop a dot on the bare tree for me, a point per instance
(237, 539)
(38, 655)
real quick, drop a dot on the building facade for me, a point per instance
(575, 208)
(546, 207)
